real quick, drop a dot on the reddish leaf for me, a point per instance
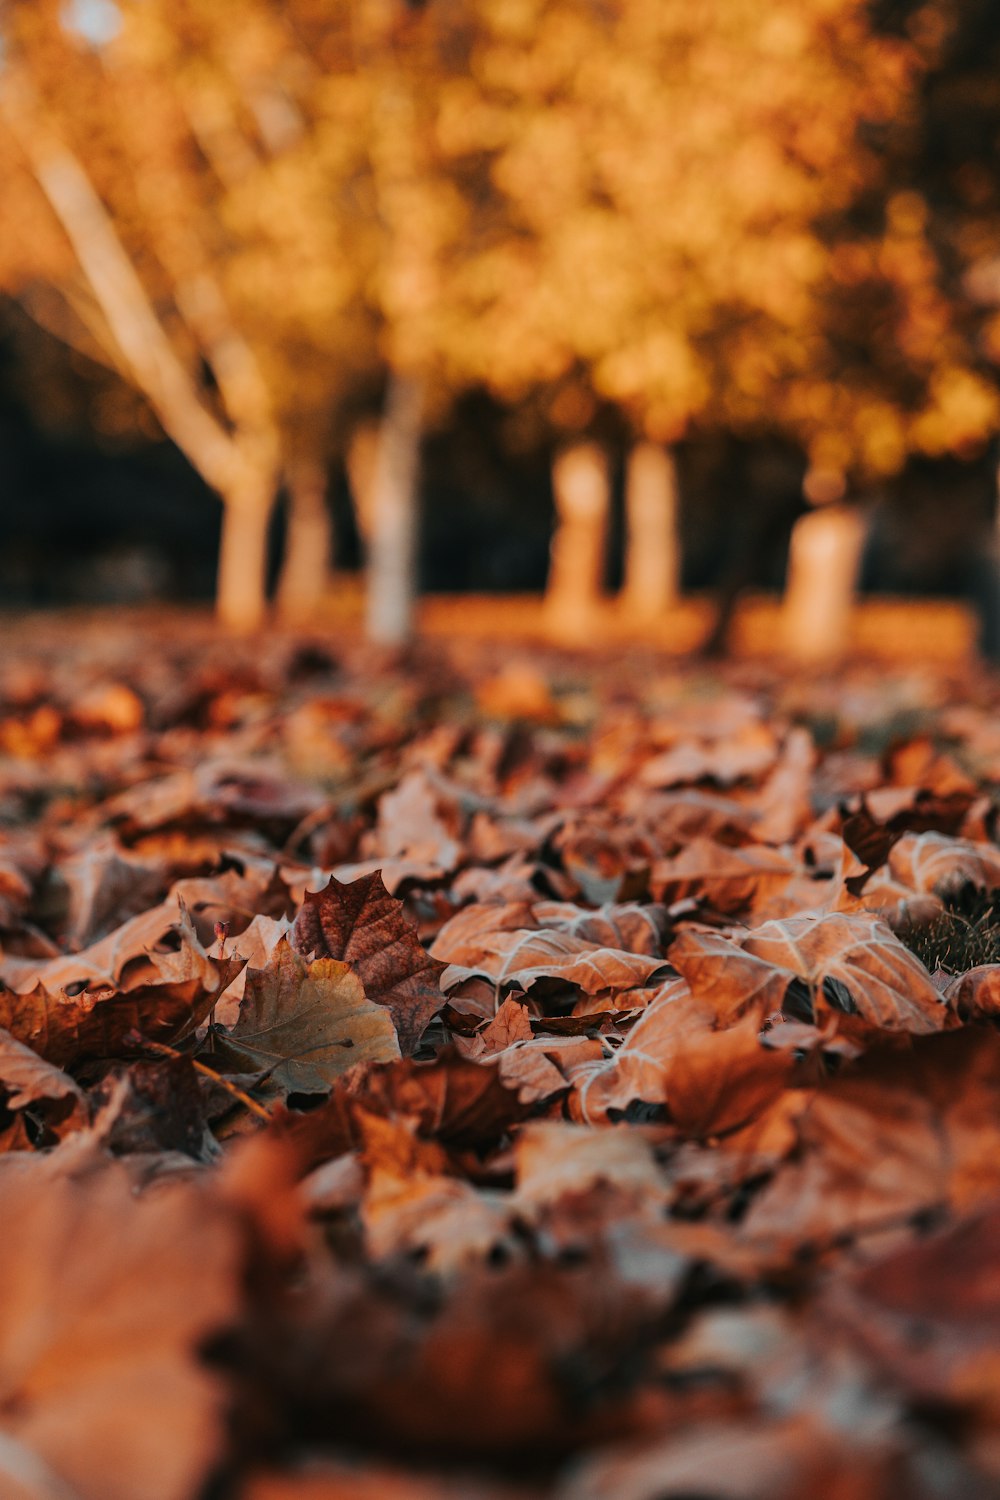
(731, 880)
(708, 1075)
(858, 963)
(362, 925)
(27, 1080)
(728, 977)
(104, 1302)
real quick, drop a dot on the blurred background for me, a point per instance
(612, 302)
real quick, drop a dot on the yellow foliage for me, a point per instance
(505, 193)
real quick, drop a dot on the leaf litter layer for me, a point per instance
(466, 1077)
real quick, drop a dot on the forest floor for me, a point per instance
(496, 1071)
(938, 631)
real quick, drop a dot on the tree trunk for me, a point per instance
(241, 591)
(229, 455)
(576, 568)
(652, 553)
(362, 457)
(135, 329)
(391, 578)
(305, 570)
(824, 558)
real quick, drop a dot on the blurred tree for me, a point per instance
(640, 188)
(688, 217)
(632, 216)
(206, 260)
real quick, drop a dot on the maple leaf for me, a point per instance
(898, 1133)
(28, 1080)
(521, 958)
(732, 880)
(305, 1023)
(731, 979)
(856, 963)
(710, 1074)
(67, 1030)
(156, 953)
(160, 995)
(361, 925)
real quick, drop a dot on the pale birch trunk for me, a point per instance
(576, 568)
(824, 559)
(362, 458)
(305, 569)
(652, 551)
(239, 464)
(241, 581)
(391, 572)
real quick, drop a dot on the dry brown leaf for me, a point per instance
(975, 995)
(902, 1133)
(363, 926)
(305, 1024)
(936, 864)
(412, 1206)
(27, 1079)
(728, 977)
(947, 1287)
(409, 827)
(708, 1075)
(730, 880)
(746, 752)
(512, 1023)
(784, 803)
(635, 928)
(67, 1030)
(521, 958)
(528, 1069)
(854, 962)
(105, 885)
(554, 1158)
(99, 1367)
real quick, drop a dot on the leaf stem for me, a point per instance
(207, 1072)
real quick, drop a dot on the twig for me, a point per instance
(207, 1072)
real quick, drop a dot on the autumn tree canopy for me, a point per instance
(257, 214)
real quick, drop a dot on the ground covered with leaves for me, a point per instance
(482, 1077)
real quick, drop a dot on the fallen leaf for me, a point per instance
(363, 926)
(99, 1367)
(305, 1024)
(855, 963)
(521, 958)
(706, 1074)
(724, 974)
(731, 880)
(939, 865)
(27, 1079)
(975, 995)
(899, 1134)
(409, 827)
